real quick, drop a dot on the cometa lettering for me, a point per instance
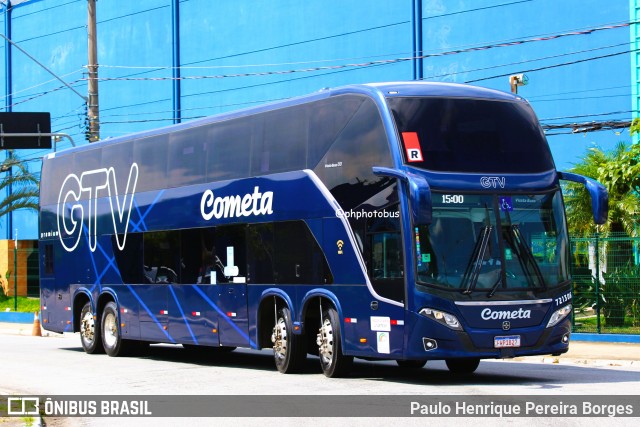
(488, 314)
(255, 203)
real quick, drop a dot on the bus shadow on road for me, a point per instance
(490, 372)
(496, 372)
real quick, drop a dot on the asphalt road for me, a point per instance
(56, 365)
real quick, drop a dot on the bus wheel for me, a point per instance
(112, 341)
(333, 362)
(89, 333)
(462, 366)
(411, 364)
(288, 351)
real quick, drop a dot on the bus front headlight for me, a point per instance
(447, 319)
(558, 315)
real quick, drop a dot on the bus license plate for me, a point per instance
(510, 341)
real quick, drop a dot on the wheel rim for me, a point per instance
(325, 343)
(110, 335)
(279, 339)
(88, 327)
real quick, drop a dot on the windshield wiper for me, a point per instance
(472, 272)
(495, 286)
(526, 258)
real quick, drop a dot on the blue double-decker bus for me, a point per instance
(400, 221)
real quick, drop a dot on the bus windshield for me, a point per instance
(493, 243)
(472, 135)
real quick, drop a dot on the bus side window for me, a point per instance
(162, 257)
(282, 144)
(151, 156)
(187, 156)
(195, 247)
(129, 259)
(228, 148)
(327, 120)
(230, 248)
(298, 257)
(260, 253)
(346, 167)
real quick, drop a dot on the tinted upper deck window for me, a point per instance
(472, 135)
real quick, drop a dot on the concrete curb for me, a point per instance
(635, 339)
(15, 317)
(568, 360)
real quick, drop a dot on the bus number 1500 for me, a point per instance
(452, 198)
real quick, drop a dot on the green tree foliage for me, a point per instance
(23, 184)
(619, 171)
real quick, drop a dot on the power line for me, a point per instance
(389, 61)
(583, 97)
(589, 115)
(588, 126)
(525, 61)
(384, 61)
(578, 61)
(477, 9)
(13, 95)
(41, 94)
(578, 91)
(41, 65)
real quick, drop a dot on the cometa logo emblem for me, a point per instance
(488, 314)
(506, 325)
(255, 203)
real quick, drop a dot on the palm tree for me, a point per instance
(619, 171)
(23, 184)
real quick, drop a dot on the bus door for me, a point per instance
(374, 317)
(229, 275)
(385, 265)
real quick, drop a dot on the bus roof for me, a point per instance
(377, 91)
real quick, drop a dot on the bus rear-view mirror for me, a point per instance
(599, 195)
(419, 192)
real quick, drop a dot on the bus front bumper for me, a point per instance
(431, 340)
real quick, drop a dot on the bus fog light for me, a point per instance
(558, 315)
(429, 344)
(447, 319)
(565, 339)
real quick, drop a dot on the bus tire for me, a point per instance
(462, 366)
(112, 340)
(411, 364)
(334, 364)
(289, 352)
(90, 336)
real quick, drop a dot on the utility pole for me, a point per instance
(8, 90)
(93, 111)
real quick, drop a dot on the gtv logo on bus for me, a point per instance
(94, 182)
(493, 181)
